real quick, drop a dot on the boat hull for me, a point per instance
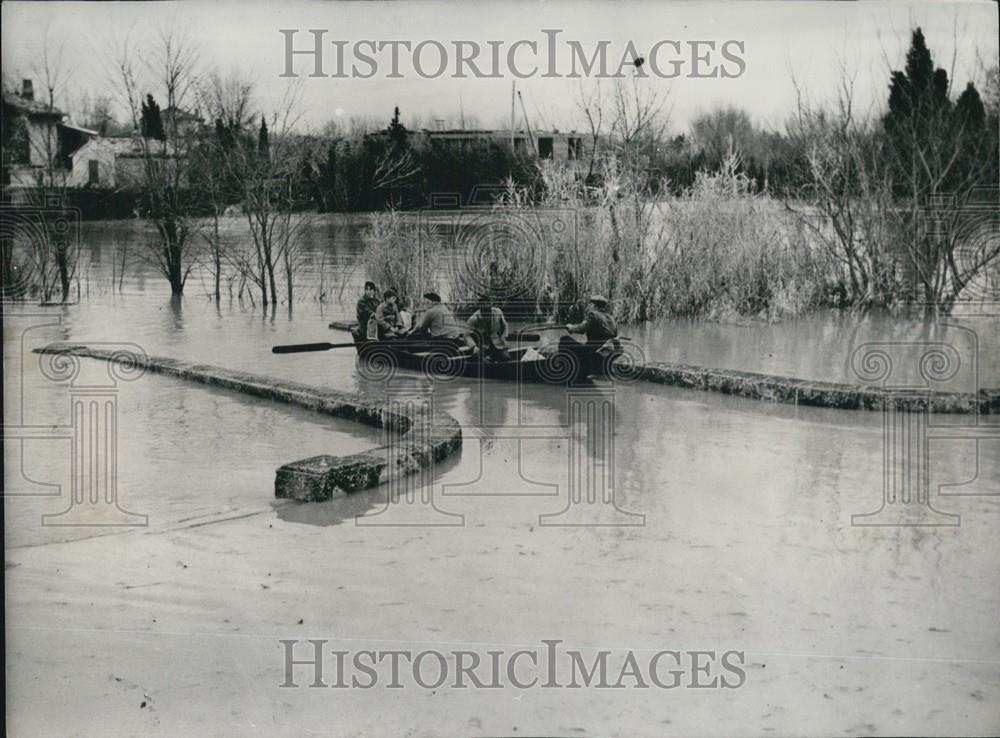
(385, 356)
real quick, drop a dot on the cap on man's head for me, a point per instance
(371, 286)
(598, 300)
(432, 296)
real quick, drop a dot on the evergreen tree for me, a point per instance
(969, 110)
(263, 144)
(925, 129)
(151, 123)
(398, 135)
(938, 153)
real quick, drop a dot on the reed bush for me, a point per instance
(717, 250)
(397, 257)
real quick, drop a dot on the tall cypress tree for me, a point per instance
(397, 133)
(151, 123)
(924, 128)
(938, 152)
(263, 142)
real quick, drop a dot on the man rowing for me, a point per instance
(487, 330)
(601, 332)
(437, 327)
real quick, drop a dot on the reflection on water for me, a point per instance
(820, 346)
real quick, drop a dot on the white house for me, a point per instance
(107, 163)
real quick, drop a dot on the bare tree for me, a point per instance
(97, 113)
(392, 170)
(639, 119)
(54, 258)
(590, 104)
(845, 201)
(165, 165)
(269, 169)
(228, 101)
(723, 131)
(50, 68)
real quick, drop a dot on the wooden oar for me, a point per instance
(547, 327)
(297, 348)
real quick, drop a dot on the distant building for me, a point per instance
(177, 121)
(108, 163)
(38, 143)
(555, 145)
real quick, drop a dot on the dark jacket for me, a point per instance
(489, 330)
(366, 308)
(597, 325)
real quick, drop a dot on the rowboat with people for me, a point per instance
(525, 364)
(386, 346)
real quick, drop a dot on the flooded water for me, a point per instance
(731, 529)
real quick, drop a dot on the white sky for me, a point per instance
(808, 38)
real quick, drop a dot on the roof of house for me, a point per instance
(120, 145)
(81, 129)
(31, 107)
(180, 114)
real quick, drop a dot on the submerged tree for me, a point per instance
(164, 175)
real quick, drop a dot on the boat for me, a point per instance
(381, 358)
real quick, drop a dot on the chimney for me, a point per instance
(27, 91)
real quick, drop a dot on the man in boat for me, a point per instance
(601, 332)
(437, 327)
(487, 331)
(367, 306)
(390, 324)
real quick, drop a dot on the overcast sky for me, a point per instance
(779, 39)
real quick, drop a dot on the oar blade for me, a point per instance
(299, 348)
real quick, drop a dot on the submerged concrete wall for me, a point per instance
(817, 394)
(417, 437)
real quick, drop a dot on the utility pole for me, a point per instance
(512, 87)
(527, 125)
